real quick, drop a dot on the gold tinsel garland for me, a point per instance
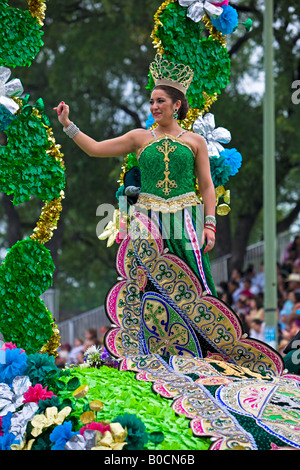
(217, 35)
(37, 9)
(47, 222)
(50, 213)
(123, 171)
(157, 23)
(53, 343)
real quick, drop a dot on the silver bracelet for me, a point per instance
(71, 131)
(210, 219)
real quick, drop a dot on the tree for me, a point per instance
(241, 108)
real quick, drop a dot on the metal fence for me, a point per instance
(76, 327)
(220, 269)
(51, 301)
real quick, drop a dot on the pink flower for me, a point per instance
(221, 4)
(37, 393)
(118, 239)
(95, 427)
(121, 235)
(123, 230)
(10, 346)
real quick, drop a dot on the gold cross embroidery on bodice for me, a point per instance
(166, 148)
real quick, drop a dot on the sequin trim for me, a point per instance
(173, 204)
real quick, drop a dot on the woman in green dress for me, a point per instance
(165, 301)
(166, 105)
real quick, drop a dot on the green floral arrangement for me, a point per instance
(27, 166)
(31, 166)
(184, 41)
(84, 408)
(25, 275)
(20, 36)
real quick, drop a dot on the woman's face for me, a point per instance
(161, 106)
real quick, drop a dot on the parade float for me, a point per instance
(136, 393)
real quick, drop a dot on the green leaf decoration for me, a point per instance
(112, 387)
(20, 37)
(25, 274)
(73, 384)
(156, 437)
(26, 168)
(183, 42)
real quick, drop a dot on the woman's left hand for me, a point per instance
(208, 236)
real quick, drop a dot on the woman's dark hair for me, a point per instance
(176, 95)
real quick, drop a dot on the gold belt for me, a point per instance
(173, 204)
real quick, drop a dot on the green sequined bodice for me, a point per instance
(167, 168)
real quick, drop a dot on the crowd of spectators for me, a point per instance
(244, 293)
(74, 354)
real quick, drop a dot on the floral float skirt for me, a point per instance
(171, 330)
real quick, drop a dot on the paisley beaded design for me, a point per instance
(176, 295)
(238, 409)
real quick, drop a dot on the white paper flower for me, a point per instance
(92, 350)
(20, 419)
(111, 230)
(77, 442)
(205, 126)
(93, 356)
(12, 398)
(198, 8)
(8, 89)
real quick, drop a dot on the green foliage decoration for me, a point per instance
(121, 393)
(137, 436)
(183, 42)
(20, 37)
(25, 275)
(220, 173)
(27, 167)
(39, 368)
(31, 165)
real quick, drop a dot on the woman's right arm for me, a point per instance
(116, 147)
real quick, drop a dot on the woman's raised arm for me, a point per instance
(116, 147)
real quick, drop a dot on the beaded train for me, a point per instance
(172, 330)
